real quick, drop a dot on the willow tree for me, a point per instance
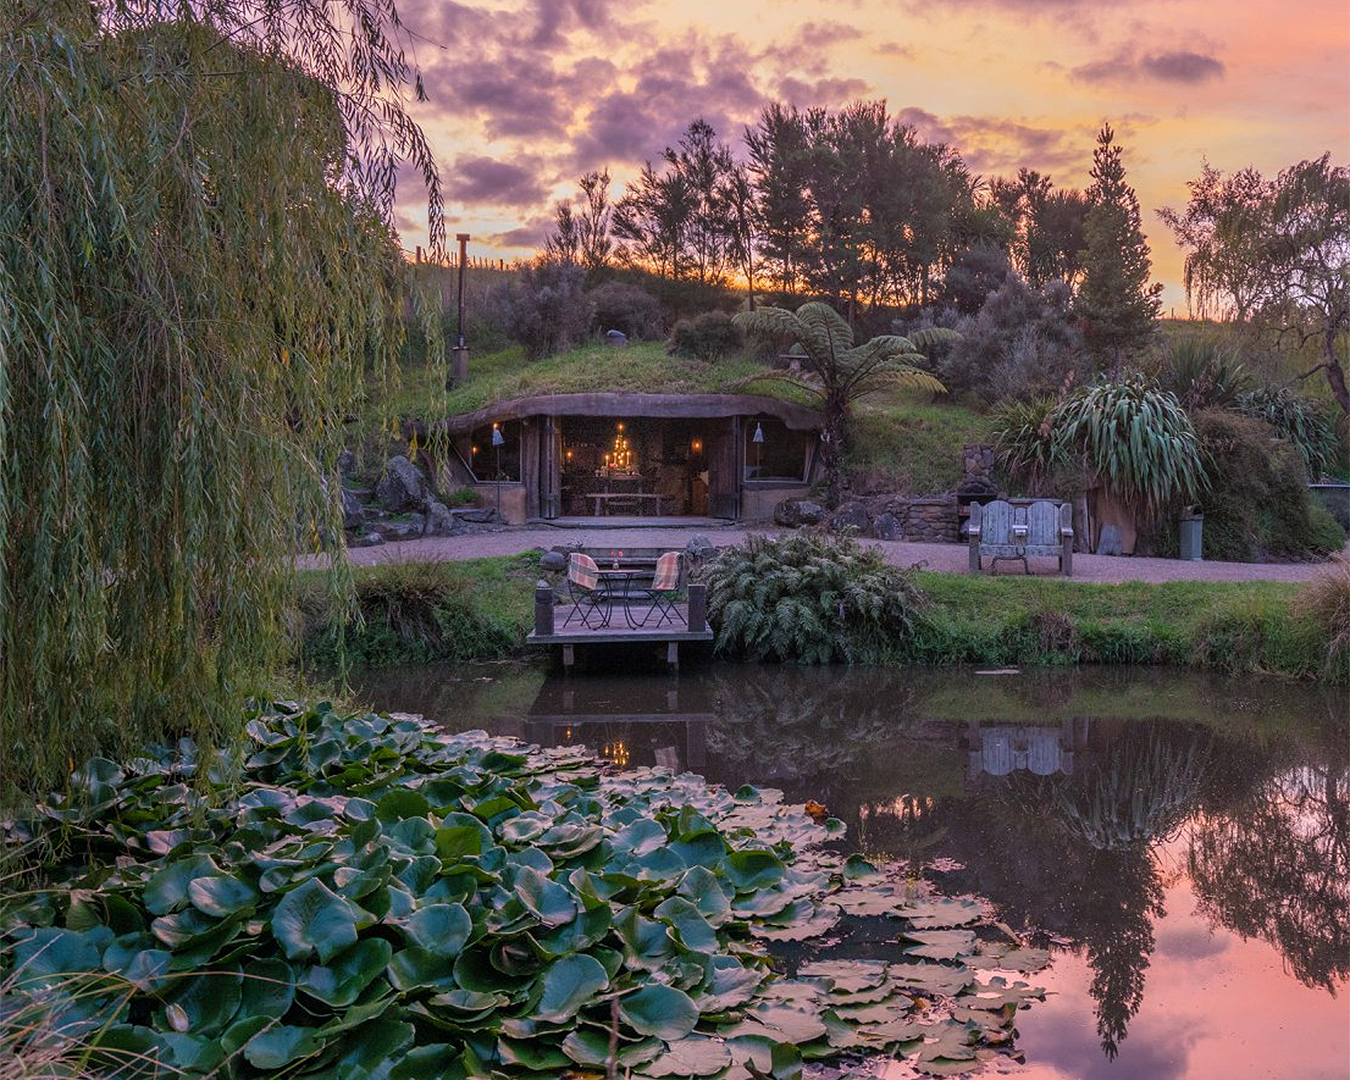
(197, 274)
(830, 368)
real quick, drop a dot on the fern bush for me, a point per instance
(809, 599)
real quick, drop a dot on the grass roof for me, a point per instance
(640, 368)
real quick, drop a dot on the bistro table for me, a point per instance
(618, 586)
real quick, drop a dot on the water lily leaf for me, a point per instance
(858, 869)
(647, 944)
(786, 1023)
(568, 985)
(846, 975)
(525, 827)
(998, 993)
(689, 923)
(374, 1054)
(441, 929)
(268, 988)
(1027, 961)
(548, 901)
(207, 1001)
(48, 956)
(454, 843)
(938, 912)
(531, 1054)
(700, 886)
(401, 803)
(280, 1045)
(146, 970)
(695, 1055)
(947, 980)
(351, 971)
(640, 837)
(939, 944)
(221, 895)
(661, 1011)
(753, 869)
(167, 889)
(313, 919)
(412, 968)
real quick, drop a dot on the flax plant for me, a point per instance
(197, 277)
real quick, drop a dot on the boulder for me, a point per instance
(793, 513)
(886, 526)
(553, 560)
(370, 539)
(699, 548)
(402, 486)
(478, 515)
(1111, 541)
(441, 520)
(346, 463)
(353, 513)
(851, 517)
(400, 530)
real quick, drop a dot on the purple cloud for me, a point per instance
(502, 183)
(1179, 66)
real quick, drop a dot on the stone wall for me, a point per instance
(895, 517)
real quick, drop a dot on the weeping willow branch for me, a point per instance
(197, 276)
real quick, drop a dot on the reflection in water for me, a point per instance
(1053, 794)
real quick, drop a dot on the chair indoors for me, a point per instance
(665, 584)
(587, 598)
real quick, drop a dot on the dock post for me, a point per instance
(673, 654)
(698, 608)
(543, 608)
(569, 658)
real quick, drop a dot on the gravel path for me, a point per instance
(945, 557)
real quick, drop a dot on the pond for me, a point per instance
(1180, 843)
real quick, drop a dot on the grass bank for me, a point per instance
(482, 608)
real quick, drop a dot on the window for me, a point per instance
(486, 459)
(779, 453)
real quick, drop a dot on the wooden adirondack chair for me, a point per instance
(1003, 531)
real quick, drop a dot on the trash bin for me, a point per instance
(1192, 520)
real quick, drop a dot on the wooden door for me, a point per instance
(724, 470)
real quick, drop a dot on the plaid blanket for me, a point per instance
(582, 571)
(667, 572)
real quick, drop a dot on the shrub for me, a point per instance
(709, 337)
(1021, 343)
(1326, 601)
(545, 310)
(1202, 375)
(1132, 435)
(415, 612)
(1298, 420)
(464, 496)
(616, 305)
(809, 599)
(1258, 505)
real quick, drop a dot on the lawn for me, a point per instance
(914, 441)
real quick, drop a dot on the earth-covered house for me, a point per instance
(620, 453)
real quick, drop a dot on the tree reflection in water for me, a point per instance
(1277, 867)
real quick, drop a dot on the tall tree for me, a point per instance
(196, 268)
(563, 244)
(593, 220)
(1305, 279)
(1224, 227)
(779, 148)
(838, 373)
(1118, 306)
(1276, 252)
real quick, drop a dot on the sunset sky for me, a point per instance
(528, 94)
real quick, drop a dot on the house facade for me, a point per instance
(557, 456)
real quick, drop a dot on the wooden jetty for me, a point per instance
(688, 625)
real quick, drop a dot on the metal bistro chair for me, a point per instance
(664, 586)
(588, 599)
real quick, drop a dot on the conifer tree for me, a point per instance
(1117, 305)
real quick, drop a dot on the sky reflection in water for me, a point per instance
(1184, 839)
